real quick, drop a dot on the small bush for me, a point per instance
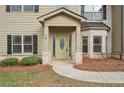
(29, 61)
(9, 62)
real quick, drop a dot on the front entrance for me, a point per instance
(61, 46)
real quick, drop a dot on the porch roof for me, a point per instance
(94, 25)
(61, 10)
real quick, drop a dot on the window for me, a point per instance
(22, 44)
(28, 43)
(22, 8)
(29, 8)
(17, 44)
(85, 44)
(93, 12)
(60, 6)
(97, 43)
(16, 8)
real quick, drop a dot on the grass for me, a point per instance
(43, 79)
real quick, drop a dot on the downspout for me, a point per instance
(122, 50)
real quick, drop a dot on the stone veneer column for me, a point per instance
(78, 54)
(45, 53)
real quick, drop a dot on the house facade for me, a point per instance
(56, 32)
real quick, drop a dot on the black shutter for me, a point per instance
(34, 44)
(7, 8)
(104, 11)
(36, 8)
(82, 10)
(9, 44)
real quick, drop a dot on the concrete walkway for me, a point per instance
(66, 69)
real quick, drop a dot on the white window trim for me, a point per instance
(97, 44)
(22, 45)
(22, 9)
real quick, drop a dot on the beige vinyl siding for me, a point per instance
(116, 28)
(75, 8)
(24, 24)
(61, 20)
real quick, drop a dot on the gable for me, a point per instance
(62, 20)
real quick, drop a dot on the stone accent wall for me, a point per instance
(78, 58)
(45, 58)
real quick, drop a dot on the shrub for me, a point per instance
(9, 62)
(29, 61)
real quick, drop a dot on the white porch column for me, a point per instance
(45, 53)
(78, 54)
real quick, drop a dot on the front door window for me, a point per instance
(61, 42)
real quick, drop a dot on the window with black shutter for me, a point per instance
(22, 8)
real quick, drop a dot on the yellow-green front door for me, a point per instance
(61, 46)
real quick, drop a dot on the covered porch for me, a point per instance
(62, 36)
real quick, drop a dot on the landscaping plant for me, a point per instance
(29, 61)
(9, 62)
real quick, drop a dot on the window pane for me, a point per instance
(97, 8)
(97, 40)
(27, 39)
(17, 40)
(98, 16)
(88, 15)
(27, 48)
(88, 8)
(85, 41)
(85, 49)
(97, 48)
(85, 44)
(16, 7)
(16, 48)
(29, 8)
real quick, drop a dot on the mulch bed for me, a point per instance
(19, 68)
(108, 65)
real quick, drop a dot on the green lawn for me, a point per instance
(44, 79)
